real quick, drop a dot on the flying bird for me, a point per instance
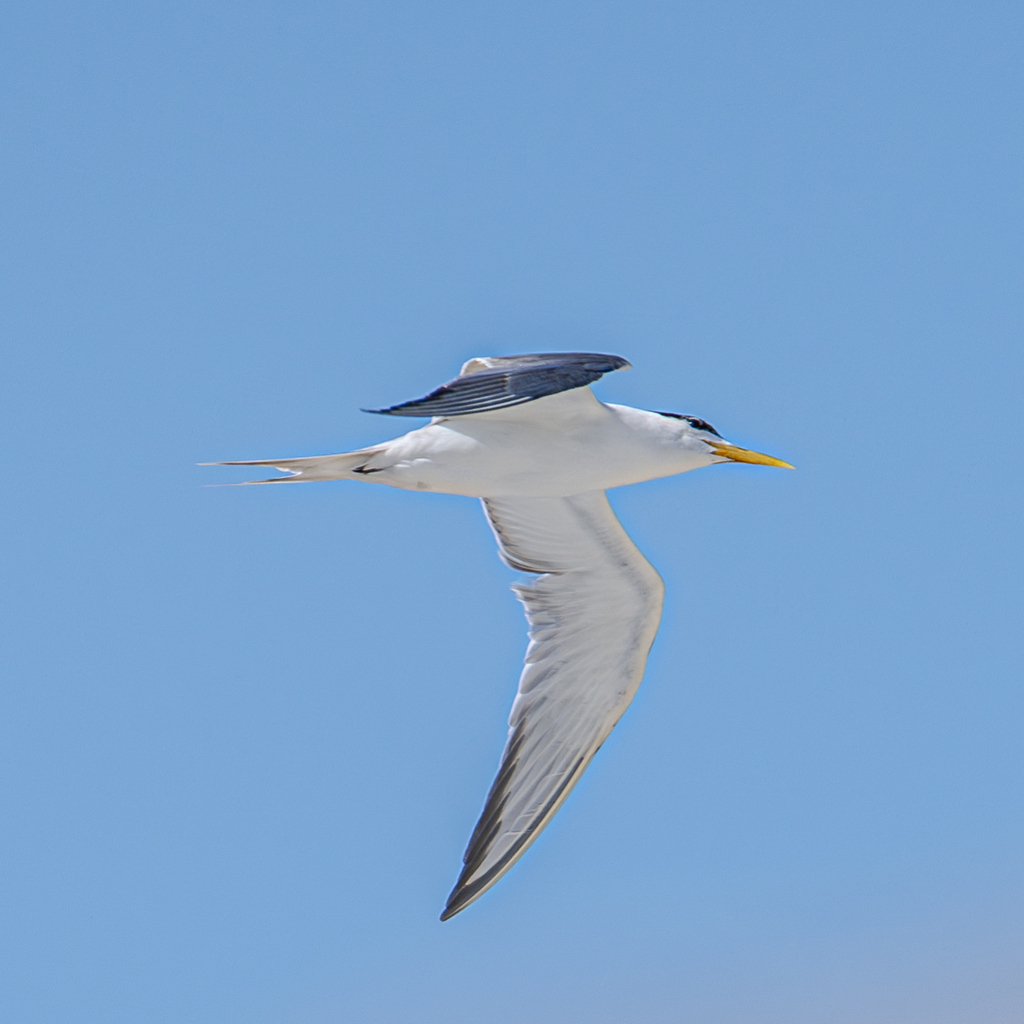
(527, 436)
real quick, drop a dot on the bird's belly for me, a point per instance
(449, 462)
(488, 481)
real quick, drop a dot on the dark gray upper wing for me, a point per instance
(497, 382)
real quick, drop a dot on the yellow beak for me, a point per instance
(730, 451)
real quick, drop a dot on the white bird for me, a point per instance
(527, 436)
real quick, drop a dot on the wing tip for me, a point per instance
(462, 895)
(410, 408)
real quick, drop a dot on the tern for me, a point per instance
(527, 436)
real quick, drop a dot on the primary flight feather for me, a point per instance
(527, 436)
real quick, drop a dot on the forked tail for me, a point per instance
(314, 467)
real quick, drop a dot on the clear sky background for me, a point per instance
(246, 732)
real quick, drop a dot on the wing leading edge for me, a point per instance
(593, 612)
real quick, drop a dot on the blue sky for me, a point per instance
(246, 732)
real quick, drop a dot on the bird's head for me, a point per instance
(699, 437)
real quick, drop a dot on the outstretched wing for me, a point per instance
(497, 382)
(593, 612)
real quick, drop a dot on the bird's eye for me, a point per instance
(698, 424)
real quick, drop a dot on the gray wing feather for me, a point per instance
(593, 612)
(499, 382)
